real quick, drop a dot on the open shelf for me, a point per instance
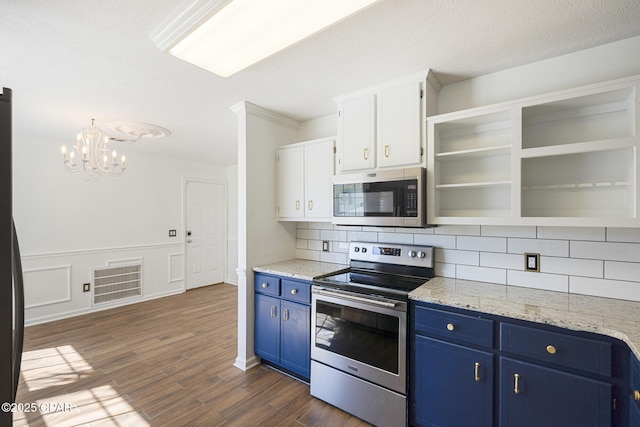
(474, 201)
(566, 158)
(593, 184)
(600, 116)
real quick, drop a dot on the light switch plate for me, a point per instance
(325, 246)
(531, 262)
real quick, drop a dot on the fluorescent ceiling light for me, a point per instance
(244, 32)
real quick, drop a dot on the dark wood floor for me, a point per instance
(166, 362)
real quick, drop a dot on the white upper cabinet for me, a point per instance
(291, 182)
(305, 189)
(569, 158)
(357, 126)
(399, 125)
(382, 127)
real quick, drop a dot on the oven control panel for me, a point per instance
(421, 256)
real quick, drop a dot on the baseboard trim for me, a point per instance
(246, 364)
(80, 312)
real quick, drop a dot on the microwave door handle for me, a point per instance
(355, 298)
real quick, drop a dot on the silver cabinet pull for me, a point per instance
(273, 311)
(285, 314)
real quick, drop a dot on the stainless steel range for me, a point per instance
(359, 330)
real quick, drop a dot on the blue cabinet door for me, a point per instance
(453, 385)
(534, 396)
(267, 327)
(295, 343)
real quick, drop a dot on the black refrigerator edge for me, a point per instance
(11, 285)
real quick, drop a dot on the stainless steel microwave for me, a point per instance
(390, 198)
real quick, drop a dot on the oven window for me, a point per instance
(362, 335)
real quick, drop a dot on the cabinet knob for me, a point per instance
(366, 154)
(310, 204)
(294, 291)
(450, 327)
(386, 151)
(636, 395)
(551, 349)
(265, 286)
(297, 205)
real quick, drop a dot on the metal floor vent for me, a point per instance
(116, 283)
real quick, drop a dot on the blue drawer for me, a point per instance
(296, 290)
(565, 350)
(265, 284)
(453, 326)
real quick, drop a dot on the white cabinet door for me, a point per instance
(318, 172)
(399, 130)
(357, 133)
(291, 182)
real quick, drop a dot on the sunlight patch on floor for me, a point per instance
(57, 368)
(53, 367)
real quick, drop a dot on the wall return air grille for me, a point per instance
(116, 283)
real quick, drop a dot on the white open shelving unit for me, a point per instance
(567, 158)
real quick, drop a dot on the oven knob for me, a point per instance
(421, 254)
(356, 249)
(364, 250)
(412, 254)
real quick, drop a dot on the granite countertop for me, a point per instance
(606, 316)
(299, 268)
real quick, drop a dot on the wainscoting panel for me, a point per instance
(175, 267)
(47, 285)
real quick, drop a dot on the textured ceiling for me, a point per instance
(70, 60)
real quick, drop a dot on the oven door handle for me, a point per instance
(355, 298)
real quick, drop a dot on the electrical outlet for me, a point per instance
(172, 233)
(86, 287)
(531, 262)
(325, 246)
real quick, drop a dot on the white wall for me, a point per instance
(606, 62)
(232, 225)
(261, 238)
(66, 225)
(320, 127)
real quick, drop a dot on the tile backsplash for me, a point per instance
(592, 261)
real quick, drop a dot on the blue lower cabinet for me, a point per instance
(533, 396)
(282, 332)
(295, 338)
(453, 385)
(267, 327)
(634, 400)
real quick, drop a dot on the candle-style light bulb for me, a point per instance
(123, 160)
(104, 161)
(64, 153)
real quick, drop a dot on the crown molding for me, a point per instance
(247, 108)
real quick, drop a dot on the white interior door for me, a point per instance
(205, 207)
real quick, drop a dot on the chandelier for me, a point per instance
(92, 156)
